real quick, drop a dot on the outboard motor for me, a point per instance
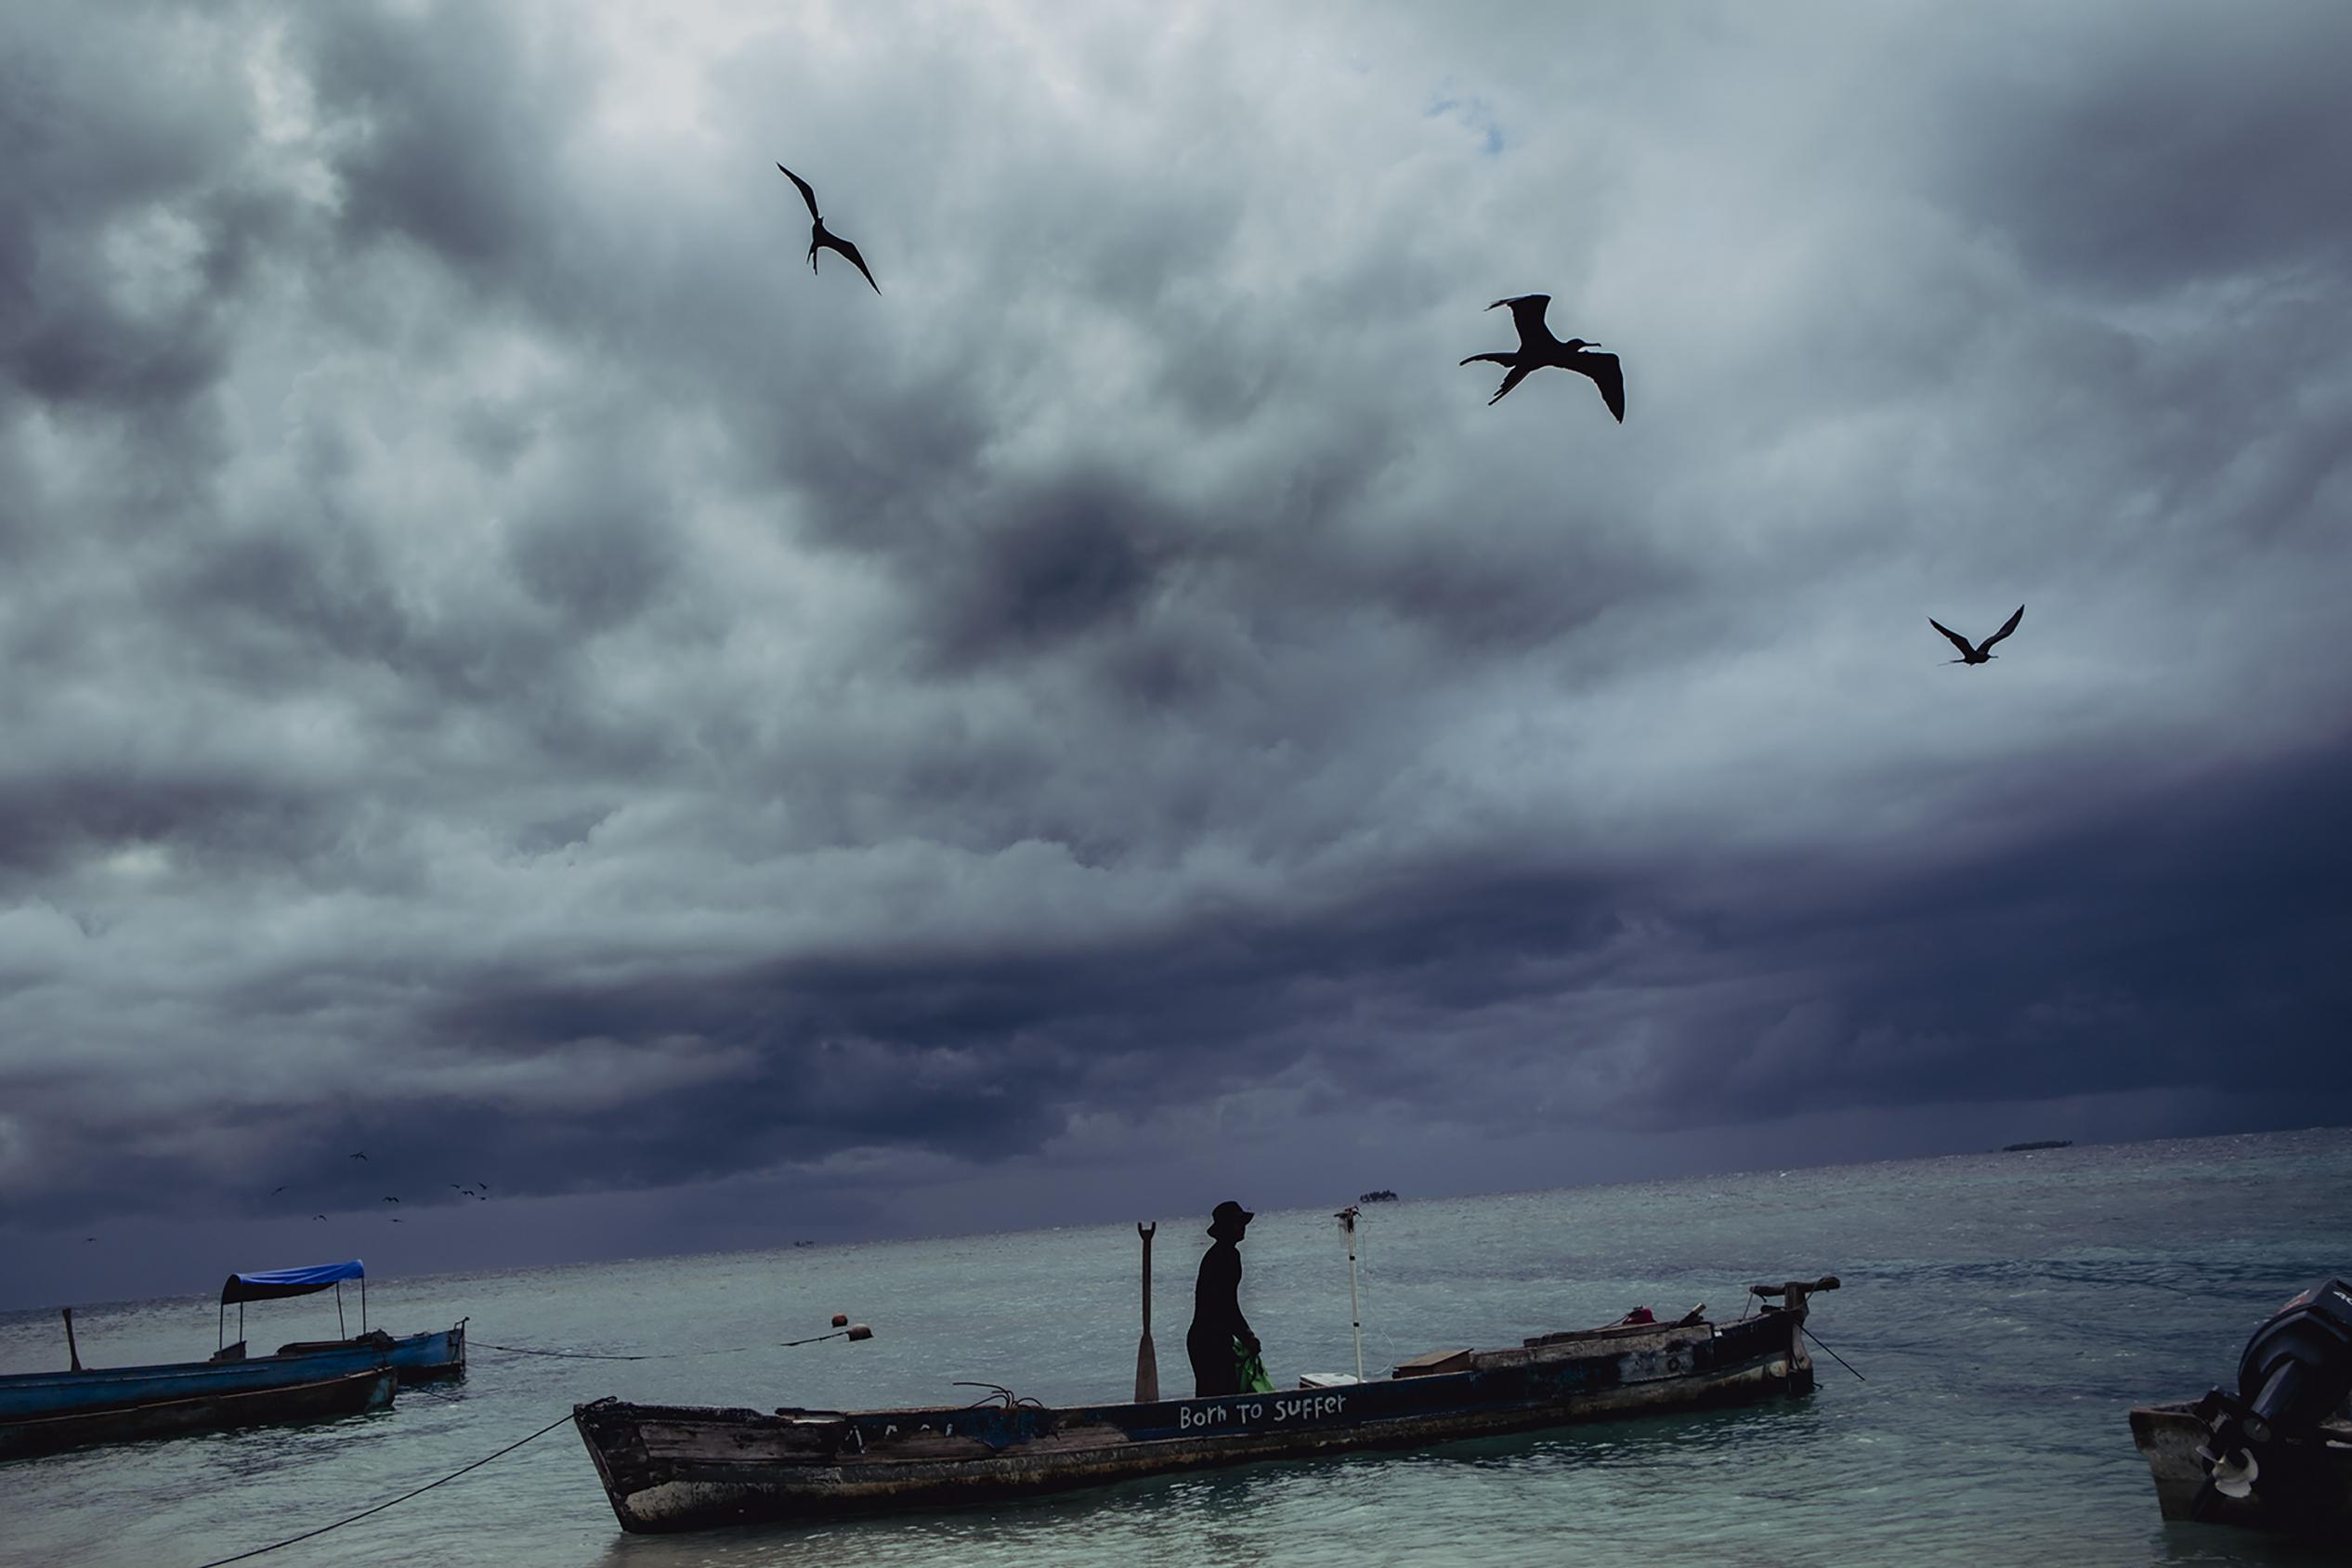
(2295, 1373)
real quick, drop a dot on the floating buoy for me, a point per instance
(859, 1331)
(841, 1320)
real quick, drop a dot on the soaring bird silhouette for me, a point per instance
(820, 237)
(355, 1157)
(318, 1216)
(1537, 348)
(275, 1191)
(391, 1200)
(1981, 651)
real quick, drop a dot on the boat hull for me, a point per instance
(40, 1396)
(318, 1398)
(2169, 1437)
(668, 1468)
(418, 1358)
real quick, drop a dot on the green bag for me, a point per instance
(1250, 1369)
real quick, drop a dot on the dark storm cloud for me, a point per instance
(558, 695)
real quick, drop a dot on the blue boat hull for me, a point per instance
(193, 1409)
(43, 1395)
(419, 1358)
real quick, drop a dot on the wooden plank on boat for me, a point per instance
(1433, 1364)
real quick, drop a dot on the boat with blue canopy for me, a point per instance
(417, 1357)
(304, 1379)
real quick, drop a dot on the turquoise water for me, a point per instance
(2005, 1310)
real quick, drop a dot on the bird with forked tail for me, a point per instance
(1980, 652)
(1538, 348)
(822, 238)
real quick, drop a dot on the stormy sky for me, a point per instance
(502, 670)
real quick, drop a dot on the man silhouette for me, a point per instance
(1217, 1320)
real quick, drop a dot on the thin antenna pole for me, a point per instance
(1356, 1312)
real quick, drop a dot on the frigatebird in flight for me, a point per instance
(820, 237)
(1537, 348)
(1980, 651)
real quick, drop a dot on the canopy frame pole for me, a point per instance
(220, 1337)
(338, 1312)
(364, 1303)
(1355, 1311)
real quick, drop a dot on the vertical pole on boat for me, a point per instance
(340, 1332)
(73, 1352)
(1146, 1359)
(363, 1303)
(1356, 1312)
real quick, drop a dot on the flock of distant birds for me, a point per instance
(458, 1187)
(1538, 349)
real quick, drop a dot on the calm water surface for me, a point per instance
(2005, 1310)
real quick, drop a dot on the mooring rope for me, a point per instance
(666, 1355)
(220, 1562)
(1833, 1354)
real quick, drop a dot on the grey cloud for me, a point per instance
(556, 689)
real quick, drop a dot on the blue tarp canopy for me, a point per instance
(273, 1284)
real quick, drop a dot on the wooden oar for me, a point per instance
(1147, 1361)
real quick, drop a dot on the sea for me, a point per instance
(1998, 1315)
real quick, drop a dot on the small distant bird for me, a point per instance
(1537, 348)
(318, 1216)
(89, 1239)
(396, 1219)
(1983, 650)
(391, 1200)
(355, 1157)
(822, 238)
(275, 1191)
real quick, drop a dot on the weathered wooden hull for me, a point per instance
(668, 1468)
(344, 1393)
(2170, 1435)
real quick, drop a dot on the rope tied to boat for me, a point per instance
(854, 1331)
(222, 1561)
(1011, 1400)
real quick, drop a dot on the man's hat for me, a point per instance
(1228, 1216)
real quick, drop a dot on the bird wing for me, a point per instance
(1527, 314)
(806, 194)
(837, 243)
(1608, 375)
(1967, 649)
(2008, 626)
(1492, 358)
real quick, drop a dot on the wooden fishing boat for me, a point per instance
(672, 1467)
(2174, 1438)
(2274, 1452)
(166, 1411)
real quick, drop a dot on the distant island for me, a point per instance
(2044, 1143)
(1383, 1196)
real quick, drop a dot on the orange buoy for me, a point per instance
(841, 1320)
